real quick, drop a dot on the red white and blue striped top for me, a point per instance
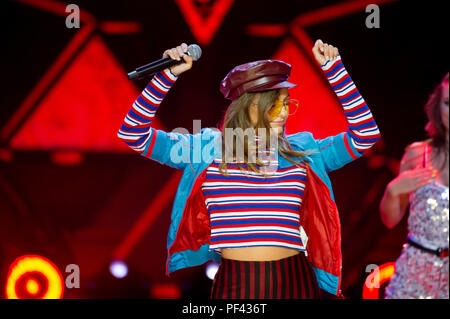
(249, 209)
(362, 129)
(253, 210)
(136, 130)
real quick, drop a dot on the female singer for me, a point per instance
(271, 223)
(422, 268)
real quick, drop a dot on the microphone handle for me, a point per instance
(152, 68)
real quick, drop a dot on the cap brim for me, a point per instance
(280, 85)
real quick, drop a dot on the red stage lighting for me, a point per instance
(371, 289)
(34, 277)
(204, 28)
(165, 291)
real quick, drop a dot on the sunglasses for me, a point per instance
(290, 105)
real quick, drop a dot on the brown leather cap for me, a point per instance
(256, 77)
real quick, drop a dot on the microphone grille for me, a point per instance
(194, 51)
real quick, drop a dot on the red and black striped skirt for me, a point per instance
(288, 278)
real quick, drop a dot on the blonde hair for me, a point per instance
(237, 117)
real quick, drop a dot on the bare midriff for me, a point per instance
(258, 253)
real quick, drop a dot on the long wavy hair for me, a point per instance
(435, 127)
(237, 117)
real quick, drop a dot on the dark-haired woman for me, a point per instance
(271, 221)
(422, 270)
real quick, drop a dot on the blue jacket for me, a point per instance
(189, 232)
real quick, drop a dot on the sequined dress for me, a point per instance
(420, 274)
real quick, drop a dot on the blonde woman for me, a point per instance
(272, 225)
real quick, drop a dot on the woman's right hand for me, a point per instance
(410, 180)
(179, 53)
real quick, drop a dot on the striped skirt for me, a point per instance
(287, 278)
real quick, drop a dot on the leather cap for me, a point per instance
(256, 77)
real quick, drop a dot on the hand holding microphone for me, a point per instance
(178, 59)
(178, 54)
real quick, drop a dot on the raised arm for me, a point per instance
(412, 176)
(362, 130)
(137, 131)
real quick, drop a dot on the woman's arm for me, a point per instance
(362, 130)
(137, 131)
(411, 177)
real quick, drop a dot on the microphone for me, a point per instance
(149, 69)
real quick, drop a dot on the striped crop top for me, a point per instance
(252, 210)
(249, 209)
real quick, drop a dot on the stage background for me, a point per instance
(72, 192)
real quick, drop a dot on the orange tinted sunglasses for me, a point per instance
(291, 106)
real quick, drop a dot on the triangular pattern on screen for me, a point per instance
(204, 28)
(85, 108)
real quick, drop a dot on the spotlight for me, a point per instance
(371, 289)
(118, 269)
(211, 269)
(32, 286)
(34, 277)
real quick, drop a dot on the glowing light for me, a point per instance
(32, 287)
(165, 291)
(27, 265)
(211, 270)
(120, 27)
(67, 158)
(385, 273)
(118, 269)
